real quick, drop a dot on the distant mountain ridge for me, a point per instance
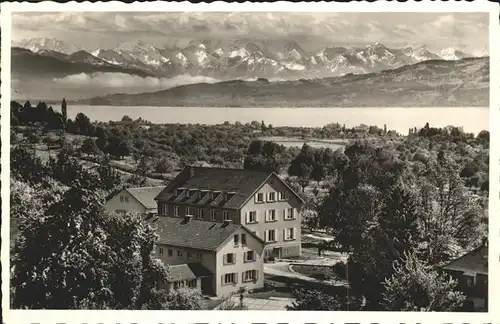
(240, 59)
(437, 83)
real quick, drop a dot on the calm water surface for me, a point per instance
(399, 119)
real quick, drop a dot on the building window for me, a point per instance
(160, 251)
(289, 213)
(176, 210)
(225, 215)
(200, 255)
(170, 252)
(270, 235)
(126, 199)
(200, 213)
(259, 197)
(164, 209)
(243, 239)
(252, 217)
(213, 215)
(191, 283)
(179, 253)
(188, 211)
(122, 199)
(289, 234)
(249, 256)
(282, 195)
(250, 275)
(189, 255)
(271, 197)
(271, 215)
(236, 239)
(470, 281)
(229, 258)
(230, 278)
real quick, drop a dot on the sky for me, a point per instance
(92, 30)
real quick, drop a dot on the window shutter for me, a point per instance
(284, 213)
(265, 236)
(284, 234)
(236, 278)
(244, 256)
(294, 232)
(246, 217)
(224, 258)
(256, 216)
(222, 279)
(234, 257)
(256, 274)
(243, 276)
(266, 215)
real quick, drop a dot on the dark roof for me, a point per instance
(146, 195)
(240, 184)
(194, 233)
(187, 271)
(474, 261)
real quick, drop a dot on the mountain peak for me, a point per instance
(37, 44)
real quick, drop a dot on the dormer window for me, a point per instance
(259, 197)
(179, 191)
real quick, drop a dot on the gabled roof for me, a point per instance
(146, 195)
(242, 184)
(474, 261)
(187, 271)
(194, 233)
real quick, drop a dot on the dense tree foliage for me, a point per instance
(381, 195)
(79, 258)
(415, 286)
(382, 204)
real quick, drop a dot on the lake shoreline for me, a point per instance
(399, 119)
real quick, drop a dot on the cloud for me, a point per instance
(122, 80)
(110, 28)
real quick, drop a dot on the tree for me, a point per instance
(77, 257)
(163, 165)
(89, 147)
(184, 299)
(451, 219)
(371, 214)
(64, 111)
(316, 300)
(415, 286)
(26, 165)
(318, 172)
(83, 125)
(109, 177)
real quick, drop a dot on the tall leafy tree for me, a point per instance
(416, 286)
(452, 219)
(73, 257)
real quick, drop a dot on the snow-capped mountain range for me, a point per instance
(241, 58)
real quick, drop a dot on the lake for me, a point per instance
(400, 119)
